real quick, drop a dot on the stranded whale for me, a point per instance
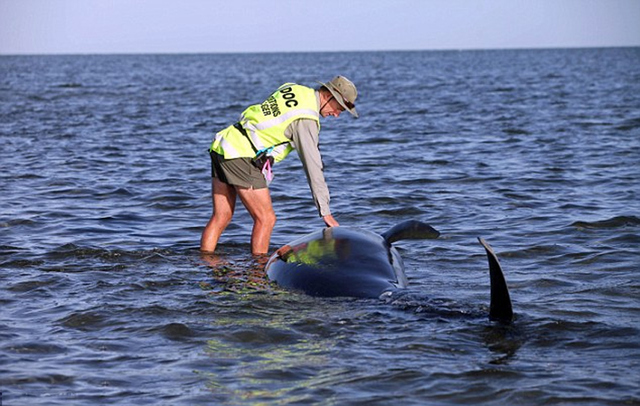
(341, 261)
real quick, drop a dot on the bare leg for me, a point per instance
(258, 204)
(224, 202)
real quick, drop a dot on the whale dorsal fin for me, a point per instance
(410, 230)
(500, 309)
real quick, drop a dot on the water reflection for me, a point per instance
(317, 251)
(237, 276)
(262, 351)
(503, 341)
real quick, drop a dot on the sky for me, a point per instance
(212, 26)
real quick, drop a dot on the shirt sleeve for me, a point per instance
(304, 136)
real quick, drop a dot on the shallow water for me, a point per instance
(104, 189)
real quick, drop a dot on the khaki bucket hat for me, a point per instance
(345, 93)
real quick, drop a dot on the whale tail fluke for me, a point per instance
(500, 309)
(410, 230)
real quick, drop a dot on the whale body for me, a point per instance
(341, 261)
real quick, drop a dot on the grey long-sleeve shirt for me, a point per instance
(304, 136)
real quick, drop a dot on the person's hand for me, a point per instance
(330, 221)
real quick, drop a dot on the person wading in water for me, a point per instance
(243, 155)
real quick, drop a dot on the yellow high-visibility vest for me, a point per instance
(265, 124)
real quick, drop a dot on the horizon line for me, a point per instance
(131, 53)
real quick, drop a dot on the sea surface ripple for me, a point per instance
(105, 189)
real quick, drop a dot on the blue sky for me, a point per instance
(173, 26)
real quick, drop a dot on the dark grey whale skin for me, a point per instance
(341, 261)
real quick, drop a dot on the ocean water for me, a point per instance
(105, 188)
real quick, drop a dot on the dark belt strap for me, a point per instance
(240, 128)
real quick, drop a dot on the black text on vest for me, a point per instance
(287, 94)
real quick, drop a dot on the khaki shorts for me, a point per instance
(237, 172)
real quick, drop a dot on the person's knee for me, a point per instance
(223, 217)
(272, 219)
(268, 219)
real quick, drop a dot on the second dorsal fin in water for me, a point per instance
(500, 309)
(410, 230)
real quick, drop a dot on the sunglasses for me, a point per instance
(348, 104)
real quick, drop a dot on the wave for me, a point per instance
(615, 222)
(71, 85)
